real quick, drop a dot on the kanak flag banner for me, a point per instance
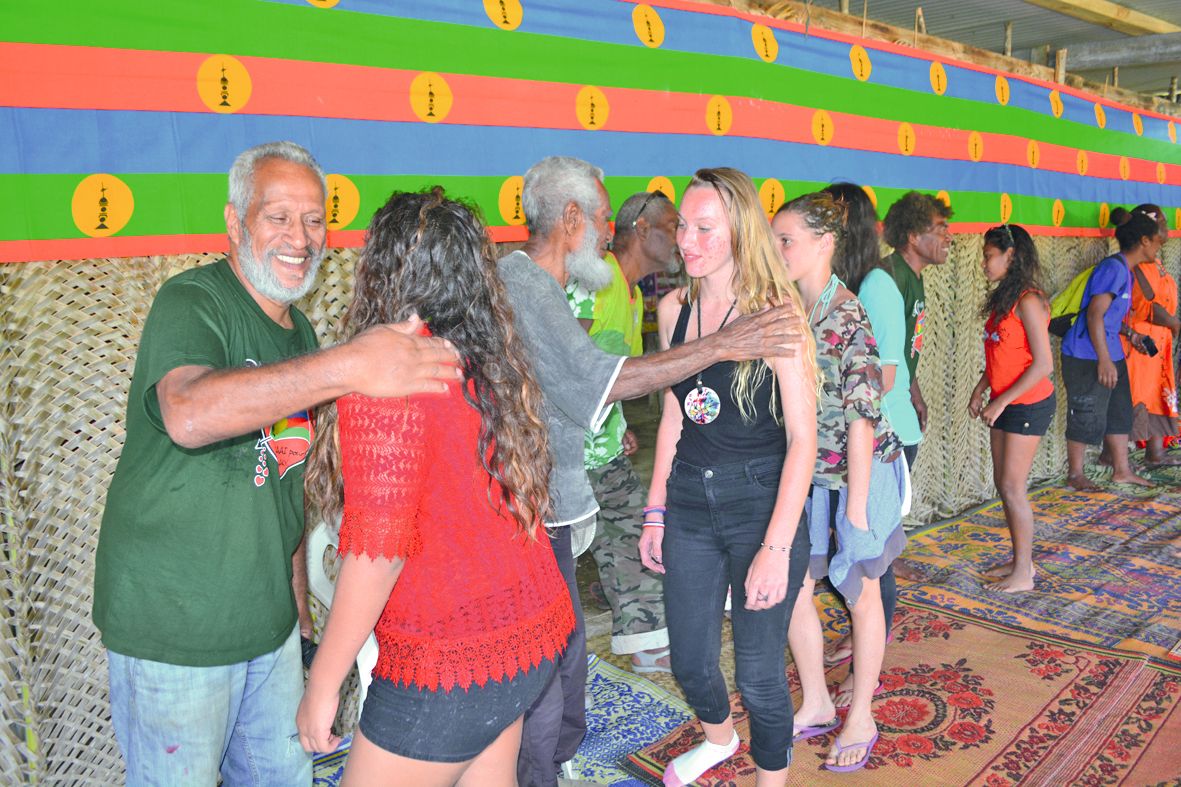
(119, 121)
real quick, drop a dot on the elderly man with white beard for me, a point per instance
(567, 211)
(199, 578)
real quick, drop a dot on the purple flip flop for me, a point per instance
(857, 765)
(820, 729)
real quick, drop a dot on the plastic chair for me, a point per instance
(319, 539)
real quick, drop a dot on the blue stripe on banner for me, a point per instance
(711, 34)
(129, 142)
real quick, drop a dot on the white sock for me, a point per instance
(687, 767)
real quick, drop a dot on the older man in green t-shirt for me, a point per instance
(644, 243)
(199, 577)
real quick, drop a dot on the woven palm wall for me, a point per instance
(70, 332)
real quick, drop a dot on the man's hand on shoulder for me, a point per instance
(397, 360)
(771, 333)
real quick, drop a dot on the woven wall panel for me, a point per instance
(67, 350)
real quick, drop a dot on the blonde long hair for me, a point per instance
(759, 277)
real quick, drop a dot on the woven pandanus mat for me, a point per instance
(70, 332)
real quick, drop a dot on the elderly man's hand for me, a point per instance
(397, 360)
(772, 332)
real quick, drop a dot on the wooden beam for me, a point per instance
(1142, 50)
(1107, 14)
(1060, 65)
(1008, 39)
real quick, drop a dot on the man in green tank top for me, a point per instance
(199, 581)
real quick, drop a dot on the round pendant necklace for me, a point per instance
(702, 404)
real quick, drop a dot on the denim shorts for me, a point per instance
(447, 726)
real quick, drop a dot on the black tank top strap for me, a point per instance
(682, 326)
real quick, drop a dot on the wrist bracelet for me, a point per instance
(654, 509)
(774, 548)
(654, 524)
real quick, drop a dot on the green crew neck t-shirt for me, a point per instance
(615, 312)
(194, 555)
(914, 300)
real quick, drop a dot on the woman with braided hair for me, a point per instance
(857, 483)
(441, 499)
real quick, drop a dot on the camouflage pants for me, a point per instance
(635, 594)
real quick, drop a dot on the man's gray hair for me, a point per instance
(242, 173)
(553, 183)
(651, 203)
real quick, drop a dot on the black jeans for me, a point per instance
(716, 521)
(556, 723)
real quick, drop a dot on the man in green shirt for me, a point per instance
(916, 226)
(199, 580)
(645, 242)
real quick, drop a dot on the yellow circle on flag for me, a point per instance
(822, 127)
(873, 195)
(1058, 213)
(1080, 162)
(342, 203)
(1002, 89)
(592, 108)
(906, 138)
(1125, 168)
(1104, 214)
(765, 43)
(323, 3)
(1033, 153)
(938, 78)
(102, 205)
(944, 197)
(430, 97)
(223, 84)
(1100, 116)
(505, 14)
(975, 146)
(1056, 105)
(718, 115)
(648, 25)
(1160, 173)
(771, 194)
(1172, 131)
(859, 60)
(1177, 218)
(509, 200)
(1138, 124)
(664, 186)
(1006, 208)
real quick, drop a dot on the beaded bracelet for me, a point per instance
(774, 548)
(654, 509)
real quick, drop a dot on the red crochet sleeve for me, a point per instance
(383, 461)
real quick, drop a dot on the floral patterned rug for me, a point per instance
(970, 702)
(1109, 569)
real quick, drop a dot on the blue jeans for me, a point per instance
(716, 520)
(181, 725)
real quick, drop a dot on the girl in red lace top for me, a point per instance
(442, 495)
(1017, 367)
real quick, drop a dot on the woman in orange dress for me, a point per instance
(1152, 377)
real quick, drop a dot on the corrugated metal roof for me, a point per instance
(982, 24)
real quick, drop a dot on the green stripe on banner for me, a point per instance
(191, 204)
(373, 40)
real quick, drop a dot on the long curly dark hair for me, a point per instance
(859, 250)
(429, 255)
(1025, 269)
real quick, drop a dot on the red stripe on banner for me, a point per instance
(154, 245)
(300, 88)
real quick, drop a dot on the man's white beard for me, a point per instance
(263, 279)
(585, 266)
